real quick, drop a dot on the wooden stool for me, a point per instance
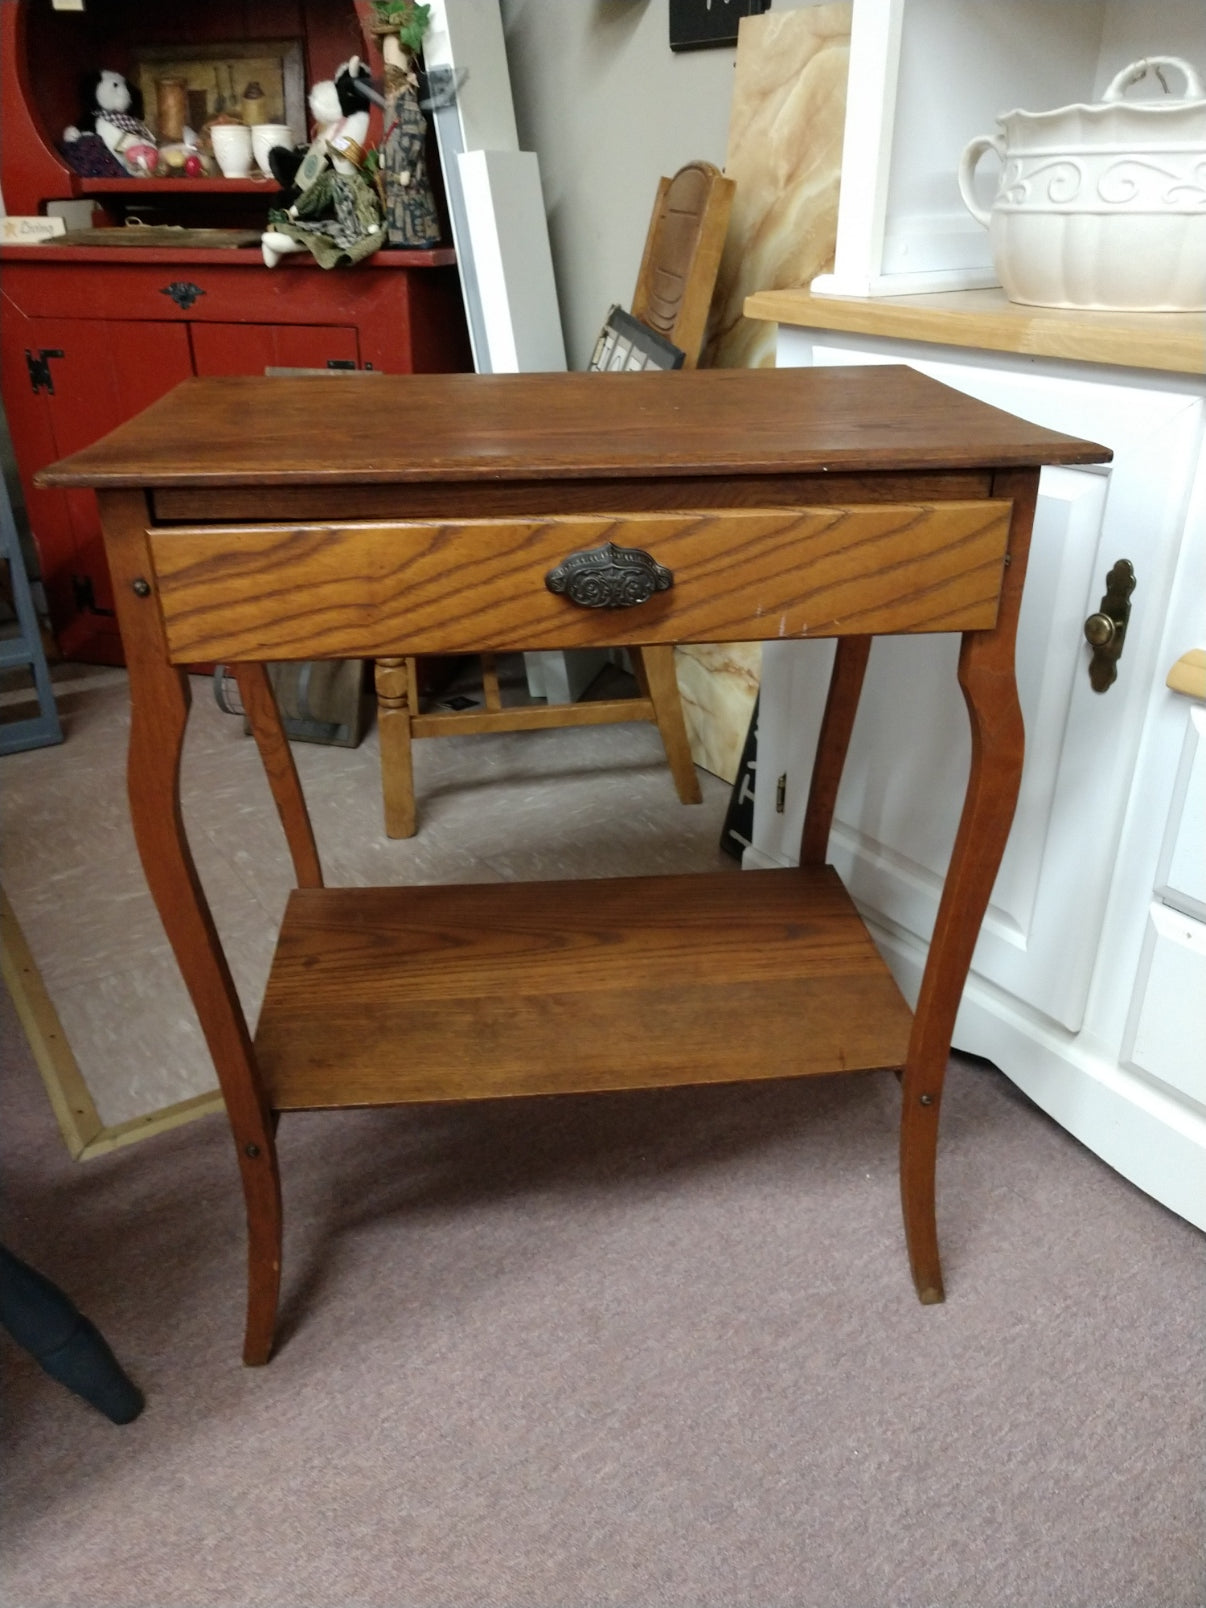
(400, 718)
(673, 295)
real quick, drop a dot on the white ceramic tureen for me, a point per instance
(1104, 205)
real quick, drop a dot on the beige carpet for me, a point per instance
(587, 801)
(656, 1349)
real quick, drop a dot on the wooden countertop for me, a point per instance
(50, 255)
(238, 430)
(1174, 342)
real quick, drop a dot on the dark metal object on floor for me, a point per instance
(44, 1322)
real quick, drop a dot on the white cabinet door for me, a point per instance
(907, 767)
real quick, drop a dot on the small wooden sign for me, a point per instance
(29, 231)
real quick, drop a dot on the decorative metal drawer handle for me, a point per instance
(183, 292)
(609, 577)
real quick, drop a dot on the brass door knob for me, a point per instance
(1100, 630)
(1105, 631)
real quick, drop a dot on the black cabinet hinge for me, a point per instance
(38, 364)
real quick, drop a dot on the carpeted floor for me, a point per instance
(639, 1350)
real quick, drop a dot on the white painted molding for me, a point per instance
(513, 265)
(867, 140)
(906, 284)
(466, 37)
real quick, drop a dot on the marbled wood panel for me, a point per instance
(785, 154)
(718, 683)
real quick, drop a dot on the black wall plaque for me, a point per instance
(700, 24)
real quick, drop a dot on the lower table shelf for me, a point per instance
(382, 996)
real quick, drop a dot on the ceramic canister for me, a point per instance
(232, 148)
(1101, 205)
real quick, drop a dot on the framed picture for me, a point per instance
(257, 81)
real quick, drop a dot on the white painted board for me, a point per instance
(512, 263)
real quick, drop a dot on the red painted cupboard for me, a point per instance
(89, 335)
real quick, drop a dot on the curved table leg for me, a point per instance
(159, 704)
(841, 706)
(259, 701)
(986, 675)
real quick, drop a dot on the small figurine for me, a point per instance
(410, 209)
(326, 206)
(115, 113)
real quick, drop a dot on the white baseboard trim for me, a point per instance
(918, 284)
(1151, 1138)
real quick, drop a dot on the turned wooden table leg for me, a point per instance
(654, 667)
(986, 675)
(159, 704)
(397, 700)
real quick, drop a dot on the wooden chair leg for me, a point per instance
(490, 687)
(655, 671)
(396, 682)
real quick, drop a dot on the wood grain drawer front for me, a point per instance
(349, 590)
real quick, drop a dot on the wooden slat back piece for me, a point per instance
(682, 255)
(362, 590)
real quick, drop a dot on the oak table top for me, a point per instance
(711, 423)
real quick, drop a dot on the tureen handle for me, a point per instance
(972, 153)
(1139, 69)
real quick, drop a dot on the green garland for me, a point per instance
(405, 18)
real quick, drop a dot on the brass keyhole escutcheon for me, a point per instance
(1105, 631)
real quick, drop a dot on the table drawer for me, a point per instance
(348, 590)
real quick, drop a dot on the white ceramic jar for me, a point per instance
(232, 149)
(1104, 205)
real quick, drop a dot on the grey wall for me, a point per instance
(608, 108)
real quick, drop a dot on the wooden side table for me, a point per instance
(246, 522)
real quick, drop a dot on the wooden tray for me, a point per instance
(158, 235)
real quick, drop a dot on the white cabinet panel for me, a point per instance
(1181, 877)
(894, 847)
(906, 772)
(1166, 1037)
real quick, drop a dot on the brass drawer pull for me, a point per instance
(609, 577)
